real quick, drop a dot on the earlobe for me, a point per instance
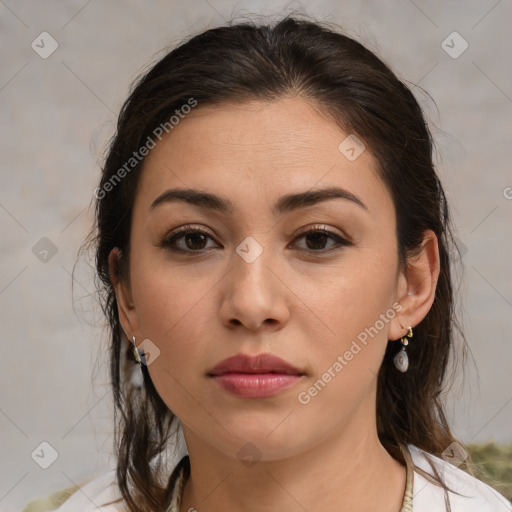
(417, 286)
(125, 306)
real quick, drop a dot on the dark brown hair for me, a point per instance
(349, 83)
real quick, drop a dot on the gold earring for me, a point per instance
(401, 359)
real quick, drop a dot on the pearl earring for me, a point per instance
(401, 359)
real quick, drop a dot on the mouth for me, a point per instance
(260, 376)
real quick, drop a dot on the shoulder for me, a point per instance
(473, 494)
(101, 494)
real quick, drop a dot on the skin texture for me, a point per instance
(292, 301)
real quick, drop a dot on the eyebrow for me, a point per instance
(285, 204)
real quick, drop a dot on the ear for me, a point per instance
(125, 306)
(416, 287)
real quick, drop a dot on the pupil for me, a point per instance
(318, 238)
(195, 237)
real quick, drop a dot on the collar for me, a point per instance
(406, 504)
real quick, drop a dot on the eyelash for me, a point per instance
(168, 242)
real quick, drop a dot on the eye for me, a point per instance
(193, 240)
(186, 239)
(317, 238)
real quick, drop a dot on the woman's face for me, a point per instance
(251, 281)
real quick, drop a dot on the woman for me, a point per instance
(274, 249)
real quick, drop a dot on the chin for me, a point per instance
(270, 440)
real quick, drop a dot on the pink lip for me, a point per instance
(262, 363)
(258, 376)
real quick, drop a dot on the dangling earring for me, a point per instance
(136, 353)
(137, 377)
(401, 360)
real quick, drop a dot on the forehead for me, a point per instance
(257, 148)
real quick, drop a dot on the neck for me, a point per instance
(348, 472)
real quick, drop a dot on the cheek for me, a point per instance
(355, 309)
(173, 312)
(351, 296)
(347, 358)
(167, 294)
(178, 324)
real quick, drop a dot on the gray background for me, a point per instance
(57, 115)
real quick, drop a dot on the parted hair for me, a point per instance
(316, 61)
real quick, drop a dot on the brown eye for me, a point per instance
(195, 240)
(317, 239)
(186, 239)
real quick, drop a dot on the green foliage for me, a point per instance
(492, 464)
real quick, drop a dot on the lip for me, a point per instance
(259, 376)
(261, 363)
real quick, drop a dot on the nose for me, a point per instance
(254, 294)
